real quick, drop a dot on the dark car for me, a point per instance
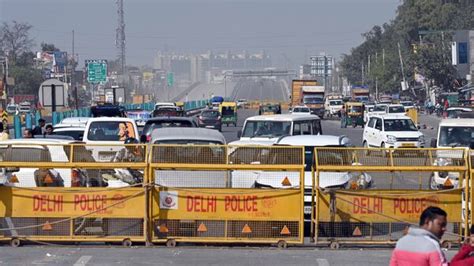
(107, 109)
(164, 122)
(210, 119)
(167, 111)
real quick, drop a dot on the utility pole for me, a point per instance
(401, 65)
(73, 72)
(120, 37)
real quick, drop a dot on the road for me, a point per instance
(197, 255)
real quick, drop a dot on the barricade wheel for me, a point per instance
(15, 242)
(282, 244)
(334, 245)
(171, 243)
(127, 242)
(446, 244)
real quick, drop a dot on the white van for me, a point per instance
(452, 133)
(108, 130)
(267, 129)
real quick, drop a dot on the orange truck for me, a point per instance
(309, 93)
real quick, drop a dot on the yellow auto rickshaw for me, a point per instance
(180, 105)
(228, 112)
(354, 114)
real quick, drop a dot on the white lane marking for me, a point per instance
(83, 260)
(322, 262)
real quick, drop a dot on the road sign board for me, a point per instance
(170, 79)
(96, 70)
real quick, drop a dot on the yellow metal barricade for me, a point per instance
(57, 193)
(227, 194)
(387, 191)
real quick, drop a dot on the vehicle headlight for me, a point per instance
(443, 162)
(391, 139)
(422, 139)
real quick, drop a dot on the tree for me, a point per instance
(48, 47)
(15, 39)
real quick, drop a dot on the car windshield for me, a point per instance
(268, 129)
(151, 125)
(11, 108)
(210, 114)
(313, 99)
(456, 136)
(189, 142)
(338, 102)
(399, 125)
(227, 110)
(110, 131)
(379, 108)
(396, 109)
(362, 98)
(75, 134)
(301, 110)
(355, 109)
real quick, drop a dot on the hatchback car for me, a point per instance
(210, 119)
(392, 131)
(165, 122)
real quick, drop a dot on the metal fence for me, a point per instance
(227, 194)
(398, 186)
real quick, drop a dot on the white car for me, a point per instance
(267, 129)
(13, 109)
(72, 122)
(272, 179)
(110, 131)
(407, 105)
(39, 150)
(300, 110)
(76, 133)
(452, 133)
(395, 109)
(379, 109)
(392, 131)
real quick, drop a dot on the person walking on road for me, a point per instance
(465, 256)
(343, 117)
(421, 245)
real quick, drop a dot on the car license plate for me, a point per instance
(106, 156)
(209, 126)
(408, 145)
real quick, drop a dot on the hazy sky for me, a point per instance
(292, 29)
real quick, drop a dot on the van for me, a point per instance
(267, 129)
(108, 130)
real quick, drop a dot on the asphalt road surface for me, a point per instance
(196, 255)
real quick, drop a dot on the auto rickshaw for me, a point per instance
(228, 112)
(181, 111)
(269, 109)
(354, 114)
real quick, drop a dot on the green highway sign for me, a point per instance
(170, 79)
(96, 70)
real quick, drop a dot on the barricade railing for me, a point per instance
(227, 194)
(60, 193)
(387, 193)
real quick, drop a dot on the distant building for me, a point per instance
(463, 53)
(199, 67)
(305, 71)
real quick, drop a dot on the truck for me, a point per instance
(333, 105)
(360, 94)
(309, 93)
